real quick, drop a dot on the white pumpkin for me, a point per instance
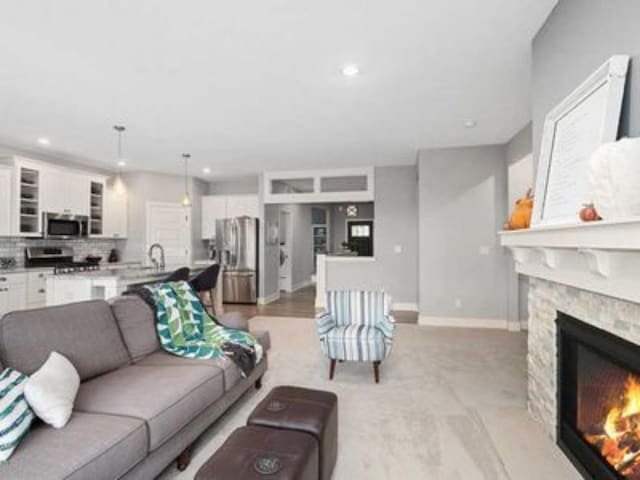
(614, 179)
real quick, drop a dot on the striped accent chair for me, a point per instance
(356, 327)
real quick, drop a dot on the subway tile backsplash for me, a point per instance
(14, 247)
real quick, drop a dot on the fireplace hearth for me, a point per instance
(598, 400)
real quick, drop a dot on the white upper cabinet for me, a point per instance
(28, 188)
(216, 207)
(65, 191)
(5, 200)
(213, 208)
(115, 210)
(242, 206)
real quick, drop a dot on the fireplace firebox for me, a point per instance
(598, 401)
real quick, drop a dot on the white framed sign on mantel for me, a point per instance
(588, 118)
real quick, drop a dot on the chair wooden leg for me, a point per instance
(376, 371)
(332, 368)
(258, 383)
(184, 459)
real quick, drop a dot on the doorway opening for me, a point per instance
(360, 237)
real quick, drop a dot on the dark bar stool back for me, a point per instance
(180, 275)
(205, 284)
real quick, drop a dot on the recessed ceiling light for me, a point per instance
(350, 71)
(44, 141)
(122, 163)
(470, 123)
(206, 170)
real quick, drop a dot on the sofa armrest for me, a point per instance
(325, 323)
(234, 320)
(387, 325)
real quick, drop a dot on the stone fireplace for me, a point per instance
(585, 285)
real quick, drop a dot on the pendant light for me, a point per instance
(119, 186)
(186, 200)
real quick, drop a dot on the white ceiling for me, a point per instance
(247, 86)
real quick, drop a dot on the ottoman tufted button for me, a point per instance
(275, 406)
(267, 464)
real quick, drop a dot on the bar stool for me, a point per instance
(180, 275)
(205, 285)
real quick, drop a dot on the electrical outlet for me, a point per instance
(397, 248)
(458, 303)
(484, 250)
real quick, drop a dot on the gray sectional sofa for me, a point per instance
(138, 407)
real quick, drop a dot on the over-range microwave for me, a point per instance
(64, 226)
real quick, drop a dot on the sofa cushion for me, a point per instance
(137, 324)
(89, 446)
(166, 397)
(86, 333)
(232, 374)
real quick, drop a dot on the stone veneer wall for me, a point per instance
(14, 247)
(618, 317)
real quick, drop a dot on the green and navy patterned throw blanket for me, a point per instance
(187, 330)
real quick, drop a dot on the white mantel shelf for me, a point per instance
(619, 235)
(602, 257)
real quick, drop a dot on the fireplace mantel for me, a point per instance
(602, 257)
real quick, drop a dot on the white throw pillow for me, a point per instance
(52, 390)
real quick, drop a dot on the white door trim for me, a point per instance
(188, 211)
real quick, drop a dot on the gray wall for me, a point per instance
(578, 37)
(338, 230)
(302, 254)
(235, 186)
(396, 212)
(269, 275)
(143, 187)
(463, 203)
(520, 179)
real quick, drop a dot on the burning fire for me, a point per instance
(619, 443)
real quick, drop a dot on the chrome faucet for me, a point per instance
(161, 265)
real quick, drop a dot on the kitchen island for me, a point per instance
(105, 283)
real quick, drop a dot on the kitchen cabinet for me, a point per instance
(242, 205)
(5, 200)
(30, 187)
(28, 200)
(63, 289)
(36, 288)
(216, 207)
(213, 208)
(65, 191)
(12, 292)
(115, 210)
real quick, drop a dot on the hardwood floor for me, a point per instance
(300, 303)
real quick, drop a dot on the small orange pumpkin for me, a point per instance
(521, 216)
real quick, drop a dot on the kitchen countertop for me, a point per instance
(8, 271)
(129, 275)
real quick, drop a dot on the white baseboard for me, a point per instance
(298, 286)
(524, 325)
(462, 322)
(405, 307)
(271, 298)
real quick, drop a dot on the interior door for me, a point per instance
(360, 237)
(170, 226)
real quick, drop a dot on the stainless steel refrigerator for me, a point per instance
(237, 244)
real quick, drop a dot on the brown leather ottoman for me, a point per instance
(310, 411)
(258, 453)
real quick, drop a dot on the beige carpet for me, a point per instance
(451, 405)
